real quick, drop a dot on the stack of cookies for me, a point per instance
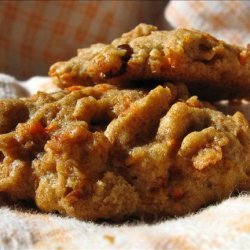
(131, 134)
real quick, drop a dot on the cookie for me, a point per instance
(211, 68)
(107, 153)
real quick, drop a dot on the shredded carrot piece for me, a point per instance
(37, 128)
(74, 88)
(51, 127)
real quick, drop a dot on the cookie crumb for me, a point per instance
(109, 238)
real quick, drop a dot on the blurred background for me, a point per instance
(35, 34)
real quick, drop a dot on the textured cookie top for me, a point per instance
(210, 67)
(107, 153)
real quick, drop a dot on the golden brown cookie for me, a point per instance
(105, 153)
(210, 67)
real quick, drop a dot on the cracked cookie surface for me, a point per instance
(210, 67)
(107, 153)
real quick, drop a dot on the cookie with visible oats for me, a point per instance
(105, 153)
(211, 68)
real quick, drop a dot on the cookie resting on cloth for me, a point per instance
(107, 153)
(211, 68)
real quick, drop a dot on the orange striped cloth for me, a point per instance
(227, 20)
(35, 34)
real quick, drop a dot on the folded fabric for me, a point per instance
(35, 34)
(12, 88)
(226, 20)
(222, 226)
